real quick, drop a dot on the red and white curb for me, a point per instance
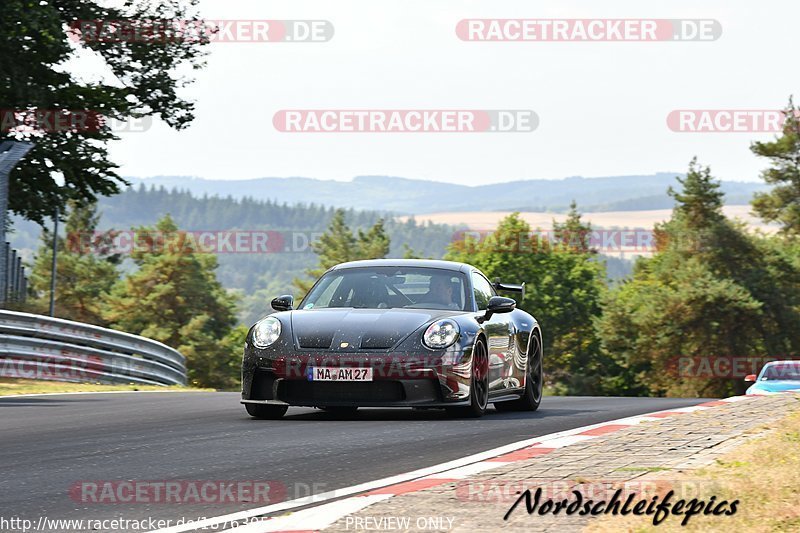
(335, 505)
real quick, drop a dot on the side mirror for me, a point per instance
(498, 304)
(750, 377)
(283, 303)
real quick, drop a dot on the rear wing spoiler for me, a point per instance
(511, 287)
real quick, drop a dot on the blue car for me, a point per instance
(776, 376)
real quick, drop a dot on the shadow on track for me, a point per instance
(405, 414)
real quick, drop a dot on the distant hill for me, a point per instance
(409, 196)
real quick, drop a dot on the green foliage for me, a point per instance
(782, 203)
(300, 226)
(573, 233)
(339, 245)
(409, 253)
(700, 200)
(563, 291)
(174, 297)
(373, 243)
(711, 291)
(35, 54)
(84, 271)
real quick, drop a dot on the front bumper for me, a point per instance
(435, 379)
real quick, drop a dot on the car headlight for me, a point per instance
(266, 332)
(441, 334)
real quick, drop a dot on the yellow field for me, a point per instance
(487, 220)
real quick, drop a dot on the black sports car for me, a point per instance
(395, 333)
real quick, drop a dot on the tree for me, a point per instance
(409, 253)
(564, 287)
(711, 292)
(36, 87)
(174, 297)
(574, 233)
(374, 243)
(86, 268)
(782, 203)
(339, 245)
(700, 200)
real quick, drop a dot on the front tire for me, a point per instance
(265, 412)
(479, 385)
(534, 380)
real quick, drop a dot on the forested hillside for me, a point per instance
(273, 272)
(298, 224)
(259, 277)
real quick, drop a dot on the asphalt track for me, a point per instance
(50, 443)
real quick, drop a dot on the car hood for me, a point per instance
(776, 386)
(349, 330)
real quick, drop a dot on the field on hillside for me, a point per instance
(487, 220)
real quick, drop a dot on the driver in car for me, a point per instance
(441, 292)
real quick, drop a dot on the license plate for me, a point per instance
(327, 373)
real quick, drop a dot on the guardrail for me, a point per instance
(40, 347)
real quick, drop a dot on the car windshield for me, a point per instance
(389, 288)
(784, 371)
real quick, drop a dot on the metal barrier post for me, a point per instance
(12, 276)
(17, 279)
(24, 287)
(4, 267)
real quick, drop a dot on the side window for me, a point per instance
(483, 290)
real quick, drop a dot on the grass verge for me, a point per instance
(11, 386)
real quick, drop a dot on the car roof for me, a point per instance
(421, 263)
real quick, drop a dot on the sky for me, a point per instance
(602, 106)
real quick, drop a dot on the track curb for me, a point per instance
(320, 517)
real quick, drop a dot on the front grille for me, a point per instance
(310, 392)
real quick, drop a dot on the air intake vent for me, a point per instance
(319, 342)
(379, 342)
